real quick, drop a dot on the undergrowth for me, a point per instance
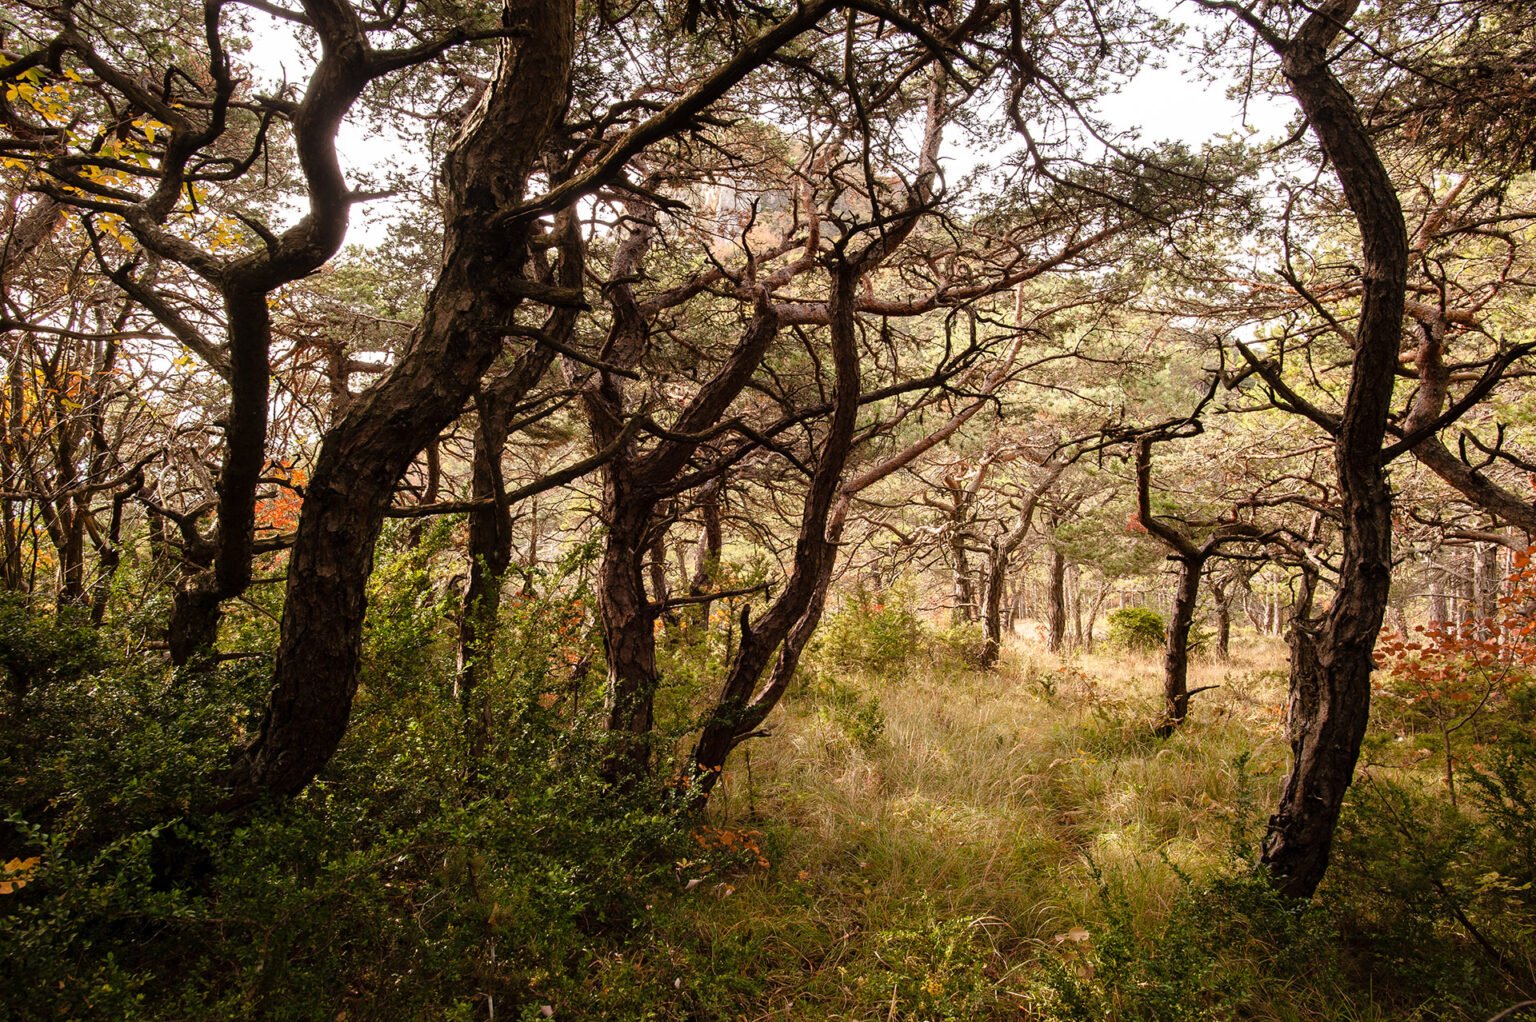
(916, 840)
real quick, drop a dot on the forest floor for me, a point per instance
(933, 843)
(916, 841)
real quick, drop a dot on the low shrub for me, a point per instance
(1137, 629)
(871, 632)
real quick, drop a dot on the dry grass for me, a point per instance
(988, 797)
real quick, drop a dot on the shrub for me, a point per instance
(1227, 946)
(872, 631)
(861, 719)
(1137, 629)
(1437, 899)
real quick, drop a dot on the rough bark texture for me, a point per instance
(1331, 665)
(468, 314)
(1056, 635)
(1176, 645)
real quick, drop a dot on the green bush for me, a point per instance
(423, 875)
(860, 718)
(1137, 629)
(1228, 947)
(1440, 899)
(874, 632)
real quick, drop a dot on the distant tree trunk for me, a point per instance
(433, 467)
(1221, 593)
(1255, 617)
(1439, 611)
(1056, 598)
(1466, 592)
(1331, 666)
(1176, 645)
(656, 568)
(1487, 584)
(490, 522)
(999, 559)
(964, 611)
(1075, 583)
(706, 553)
(992, 599)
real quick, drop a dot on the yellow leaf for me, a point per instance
(16, 874)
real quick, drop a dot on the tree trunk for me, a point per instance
(1439, 611)
(993, 590)
(628, 620)
(1176, 645)
(490, 525)
(706, 553)
(1331, 667)
(790, 621)
(964, 611)
(1057, 601)
(468, 314)
(1487, 583)
(1221, 592)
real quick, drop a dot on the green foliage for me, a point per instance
(961, 643)
(1226, 946)
(942, 970)
(424, 876)
(858, 717)
(38, 650)
(1137, 628)
(872, 631)
(1439, 898)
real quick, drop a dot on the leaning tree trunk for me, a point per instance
(1331, 667)
(791, 620)
(469, 313)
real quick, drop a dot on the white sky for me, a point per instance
(1172, 101)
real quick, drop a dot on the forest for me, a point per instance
(767, 509)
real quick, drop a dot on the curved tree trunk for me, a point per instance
(790, 621)
(362, 457)
(1331, 668)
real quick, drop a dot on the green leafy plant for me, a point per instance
(1137, 629)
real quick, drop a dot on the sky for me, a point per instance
(1173, 100)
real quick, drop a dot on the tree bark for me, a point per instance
(1176, 644)
(1331, 666)
(790, 621)
(1221, 594)
(469, 312)
(999, 559)
(490, 524)
(1057, 602)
